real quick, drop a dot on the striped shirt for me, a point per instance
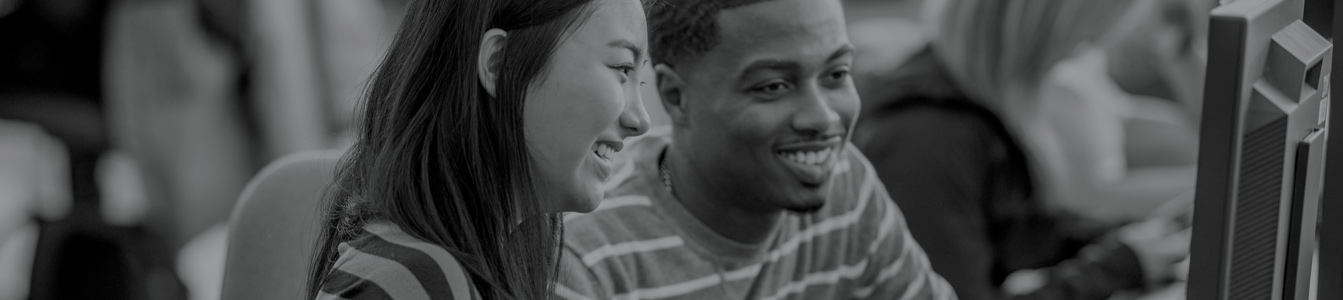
(386, 263)
(640, 243)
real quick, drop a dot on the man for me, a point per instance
(755, 192)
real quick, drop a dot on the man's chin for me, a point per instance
(804, 204)
(805, 208)
(804, 199)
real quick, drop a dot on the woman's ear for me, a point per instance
(490, 57)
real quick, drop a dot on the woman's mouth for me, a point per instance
(604, 151)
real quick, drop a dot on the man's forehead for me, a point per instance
(781, 17)
(782, 27)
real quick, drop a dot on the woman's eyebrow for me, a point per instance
(638, 52)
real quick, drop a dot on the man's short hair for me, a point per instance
(681, 30)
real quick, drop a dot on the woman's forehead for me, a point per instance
(616, 19)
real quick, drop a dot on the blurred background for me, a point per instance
(128, 128)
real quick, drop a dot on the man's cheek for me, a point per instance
(848, 108)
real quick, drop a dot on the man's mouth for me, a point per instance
(806, 157)
(811, 165)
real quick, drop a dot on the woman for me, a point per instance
(485, 119)
(948, 133)
(1048, 82)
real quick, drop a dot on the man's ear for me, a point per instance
(669, 85)
(489, 59)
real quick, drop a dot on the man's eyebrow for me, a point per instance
(846, 50)
(770, 64)
(638, 52)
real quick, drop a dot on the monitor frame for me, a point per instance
(1244, 32)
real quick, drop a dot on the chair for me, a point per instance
(274, 226)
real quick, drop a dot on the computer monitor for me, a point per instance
(1262, 153)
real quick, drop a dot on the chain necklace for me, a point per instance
(665, 173)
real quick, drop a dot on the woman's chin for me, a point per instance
(580, 202)
(587, 204)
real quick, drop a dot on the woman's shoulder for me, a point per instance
(386, 263)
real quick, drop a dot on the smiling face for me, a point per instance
(585, 103)
(769, 108)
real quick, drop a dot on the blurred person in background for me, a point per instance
(1159, 50)
(202, 93)
(1157, 55)
(177, 104)
(944, 131)
(86, 234)
(484, 120)
(34, 186)
(174, 104)
(1119, 116)
(1068, 114)
(165, 108)
(228, 86)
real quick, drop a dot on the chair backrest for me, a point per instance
(274, 226)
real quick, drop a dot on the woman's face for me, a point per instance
(585, 103)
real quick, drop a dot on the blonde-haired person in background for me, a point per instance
(1012, 56)
(961, 135)
(1033, 63)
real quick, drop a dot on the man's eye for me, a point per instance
(835, 79)
(773, 89)
(839, 75)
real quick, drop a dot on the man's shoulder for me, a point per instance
(607, 249)
(852, 182)
(618, 219)
(858, 198)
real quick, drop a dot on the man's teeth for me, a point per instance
(604, 151)
(807, 158)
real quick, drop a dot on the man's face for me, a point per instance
(768, 110)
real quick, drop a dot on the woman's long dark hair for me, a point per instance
(444, 161)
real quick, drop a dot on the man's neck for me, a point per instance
(720, 208)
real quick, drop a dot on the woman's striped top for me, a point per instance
(387, 263)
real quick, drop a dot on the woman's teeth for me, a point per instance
(604, 151)
(806, 158)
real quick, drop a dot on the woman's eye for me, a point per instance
(626, 70)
